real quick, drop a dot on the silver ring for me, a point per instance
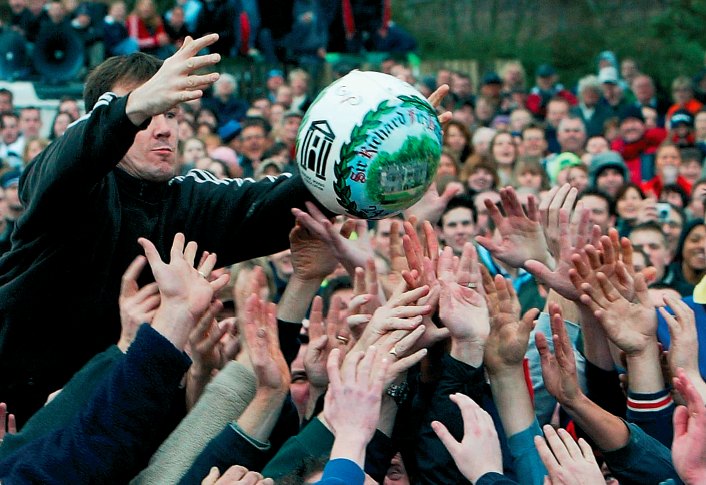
(201, 273)
(343, 339)
(471, 285)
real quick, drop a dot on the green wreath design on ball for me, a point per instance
(371, 120)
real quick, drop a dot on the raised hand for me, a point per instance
(479, 451)
(572, 236)
(137, 305)
(262, 340)
(311, 257)
(401, 312)
(352, 407)
(558, 199)
(7, 422)
(322, 340)
(352, 254)
(689, 444)
(613, 258)
(435, 100)
(185, 292)
(559, 369)
(509, 334)
(205, 351)
(567, 462)
(432, 204)
(175, 82)
(632, 327)
(399, 348)
(462, 305)
(522, 235)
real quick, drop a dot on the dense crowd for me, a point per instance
(177, 308)
(292, 31)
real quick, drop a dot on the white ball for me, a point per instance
(369, 145)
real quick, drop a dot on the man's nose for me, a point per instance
(162, 127)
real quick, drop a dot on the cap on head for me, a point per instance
(608, 75)
(546, 70)
(604, 160)
(631, 111)
(682, 116)
(10, 178)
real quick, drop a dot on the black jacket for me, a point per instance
(59, 285)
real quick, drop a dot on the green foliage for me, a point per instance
(667, 39)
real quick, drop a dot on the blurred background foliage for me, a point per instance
(667, 37)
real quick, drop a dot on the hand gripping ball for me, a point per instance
(369, 146)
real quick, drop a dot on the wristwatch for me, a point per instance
(398, 393)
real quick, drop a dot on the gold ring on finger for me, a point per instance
(394, 352)
(343, 339)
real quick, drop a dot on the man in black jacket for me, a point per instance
(87, 199)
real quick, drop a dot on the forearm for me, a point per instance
(512, 398)
(259, 418)
(296, 298)
(469, 352)
(388, 413)
(645, 371)
(595, 344)
(609, 432)
(196, 382)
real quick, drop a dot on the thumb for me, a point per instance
(319, 343)
(450, 191)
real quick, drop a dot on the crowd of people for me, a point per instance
(297, 32)
(538, 314)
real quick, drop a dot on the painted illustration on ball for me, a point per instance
(375, 156)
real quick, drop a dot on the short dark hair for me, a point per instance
(461, 200)
(255, 121)
(649, 226)
(7, 92)
(343, 282)
(679, 190)
(599, 193)
(135, 68)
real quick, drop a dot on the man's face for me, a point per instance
(17, 6)
(612, 93)
(11, 130)
(632, 129)
(457, 228)
(152, 155)
(652, 243)
(13, 198)
(700, 126)
(70, 106)
(609, 181)
(644, 89)
(534, 143)
(461, 86)
(597, 212)
(253, 142)
(556, 111)
(571, 136)
(381, 239)
(597, 144)
(590, 97)
(282, 263)
(274, 82)
(5, 103)
(30, 123)
(290, 128)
